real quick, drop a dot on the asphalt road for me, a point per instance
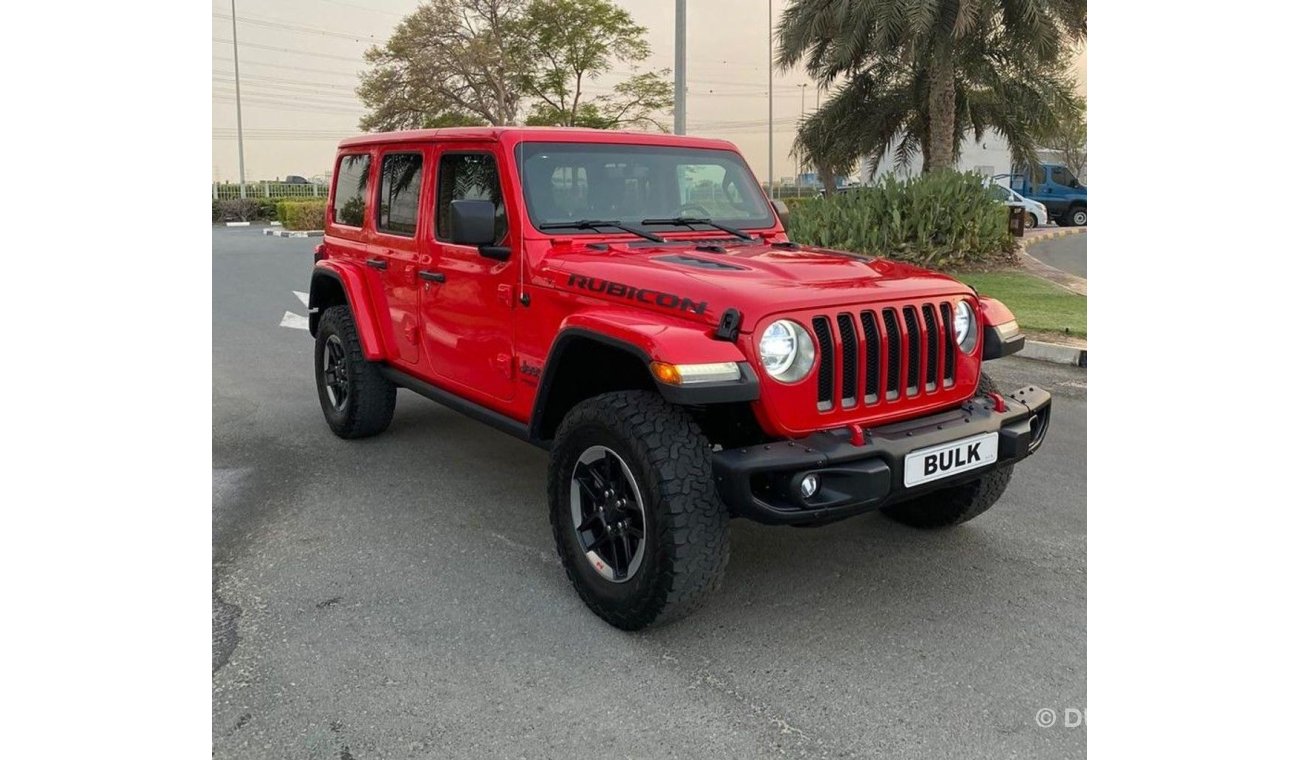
(1069, 253)
(400, 596)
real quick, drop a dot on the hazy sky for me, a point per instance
(299, 61)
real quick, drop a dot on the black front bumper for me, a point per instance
(762, 482)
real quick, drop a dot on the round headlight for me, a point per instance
(786, 351)
(963, 327)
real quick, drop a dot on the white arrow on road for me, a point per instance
(295, 321)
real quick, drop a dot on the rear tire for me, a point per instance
(956, 505)
(662, 467)
(357, 400)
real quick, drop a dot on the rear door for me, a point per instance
(467, 299)
(398, 213)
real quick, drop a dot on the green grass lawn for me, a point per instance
(1039, 306)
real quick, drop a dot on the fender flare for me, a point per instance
(688, 344)
(353, 285)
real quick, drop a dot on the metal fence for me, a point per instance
(228, 190)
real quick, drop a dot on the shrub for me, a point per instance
(236, 210)
(301, 215)
(940, 219)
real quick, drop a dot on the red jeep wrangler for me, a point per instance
(631, 303)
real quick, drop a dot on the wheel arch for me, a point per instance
(585, 362)
(334, 285)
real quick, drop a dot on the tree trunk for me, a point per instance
(943, 112)
(827, 177)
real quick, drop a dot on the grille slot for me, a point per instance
(913, 350)
(871, 348)
(826, 368)
(931, 347)
(881, 355)
(949, 368)
(894, 353)
(849, 346)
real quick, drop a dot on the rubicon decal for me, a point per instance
(642, 295)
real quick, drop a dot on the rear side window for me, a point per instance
(399, 193)
(468, 176)
(350, 185)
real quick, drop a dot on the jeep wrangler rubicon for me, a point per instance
(632, 304)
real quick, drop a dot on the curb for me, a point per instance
(1054, 352)
(293, 233)
(238, 224)
(1060, 232)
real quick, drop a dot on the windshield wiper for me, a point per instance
(689, 221)
(596, 224)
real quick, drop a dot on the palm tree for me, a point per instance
(930, 52)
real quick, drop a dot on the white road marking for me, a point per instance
(295, 321)
(301, 296)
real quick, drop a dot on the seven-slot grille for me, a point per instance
(883, 354)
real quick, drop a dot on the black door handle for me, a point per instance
(432, 276)
(377, 263)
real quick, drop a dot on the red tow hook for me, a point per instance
(856, 436)
(999, 403)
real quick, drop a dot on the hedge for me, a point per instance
(244, 209)
(940, 219)
(301, 215)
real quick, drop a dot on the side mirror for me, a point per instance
(782, 212)
(1074, 183)
(473, 222)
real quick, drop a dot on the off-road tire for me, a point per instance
(371, 397)
(956, 505)
(686, 525)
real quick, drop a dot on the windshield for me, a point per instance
(638, 185)
(1063, 176)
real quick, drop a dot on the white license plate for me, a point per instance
(947, 459)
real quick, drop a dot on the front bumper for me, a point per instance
(762, 482)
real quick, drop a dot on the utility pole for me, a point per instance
(803, 94)
(679, 71)
(239, 111)
(771, 188)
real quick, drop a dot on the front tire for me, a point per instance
(637, 521)
(1078, 216)
(958, 504)
(357, 400)
(1031, 221)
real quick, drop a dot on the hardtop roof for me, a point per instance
(514, 135)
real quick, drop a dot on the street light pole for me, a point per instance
(771, 188)
(239, 111)
(679, 71)
(803, 164)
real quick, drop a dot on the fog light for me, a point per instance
(809, 485)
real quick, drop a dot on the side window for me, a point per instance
(399, 193)
(1037, 176)
(350, 190)
(468, 176)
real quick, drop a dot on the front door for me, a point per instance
(467, 299)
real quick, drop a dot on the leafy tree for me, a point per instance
(922, 50)
(636, 102)
(448, 62)
(463, 62)
(1070, 139)
(577, 41)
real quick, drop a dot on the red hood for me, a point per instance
(758, 279)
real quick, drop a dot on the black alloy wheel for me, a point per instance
(608, 514)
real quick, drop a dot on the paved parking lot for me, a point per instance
(400, 596)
